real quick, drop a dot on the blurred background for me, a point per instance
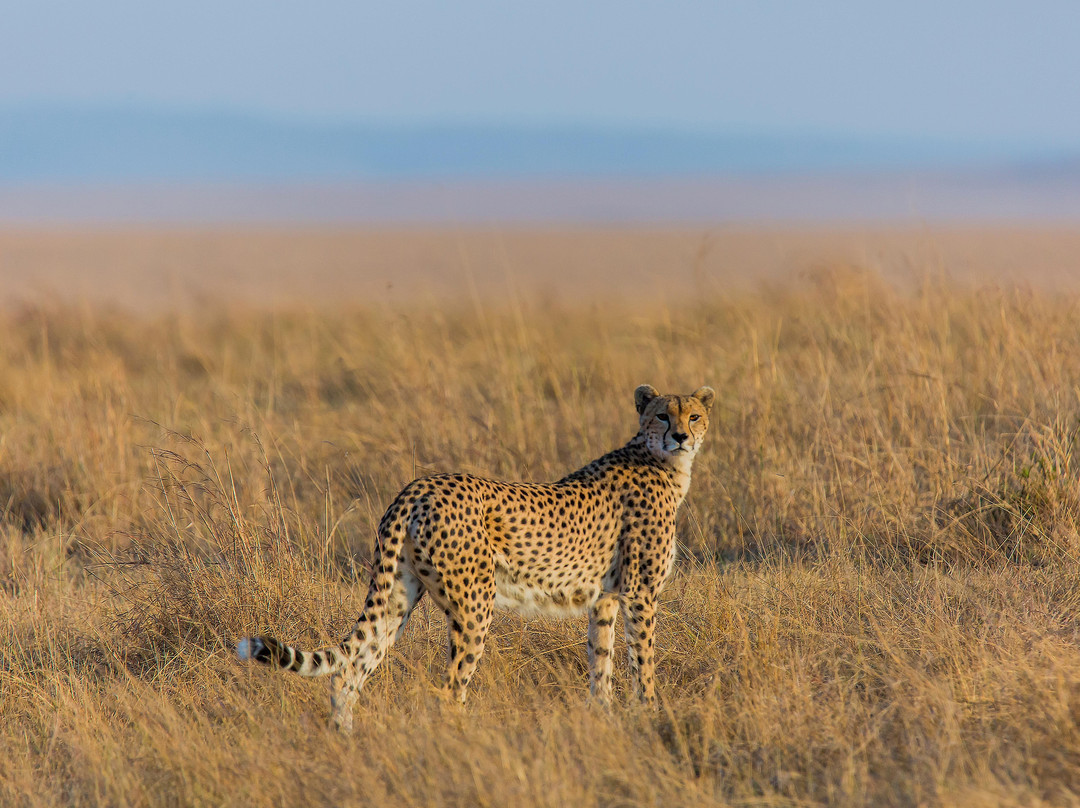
(602, 112)
(274, 154)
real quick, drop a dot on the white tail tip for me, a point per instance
(248, 647)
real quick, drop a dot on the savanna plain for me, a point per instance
(876, 600)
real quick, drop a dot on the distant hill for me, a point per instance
(72, 145)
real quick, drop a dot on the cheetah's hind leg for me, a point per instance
(467, 623)
(377, 628)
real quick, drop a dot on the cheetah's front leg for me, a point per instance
(601, 643)
(639, 619)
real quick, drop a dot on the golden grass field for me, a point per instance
(877, 601)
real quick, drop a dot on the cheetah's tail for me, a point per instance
(276, 654)
(330, 660)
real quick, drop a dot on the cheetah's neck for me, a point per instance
(636, 453)
(681, 468)
(678, 467)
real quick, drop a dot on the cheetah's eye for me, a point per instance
(662, 418)
(695, 418)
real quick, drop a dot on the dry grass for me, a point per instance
(877, 601)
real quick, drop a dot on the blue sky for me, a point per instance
(971, 71)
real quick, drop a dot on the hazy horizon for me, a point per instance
(125, 144)
(956, 70)
(968, 109)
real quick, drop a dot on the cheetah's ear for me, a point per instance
(643, 395)
(706, 395)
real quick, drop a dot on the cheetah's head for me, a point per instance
(673, 426)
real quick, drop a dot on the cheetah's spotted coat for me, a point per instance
(596, 540)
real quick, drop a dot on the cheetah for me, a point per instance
(599, 540)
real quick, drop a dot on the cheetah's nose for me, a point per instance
(679, 437)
